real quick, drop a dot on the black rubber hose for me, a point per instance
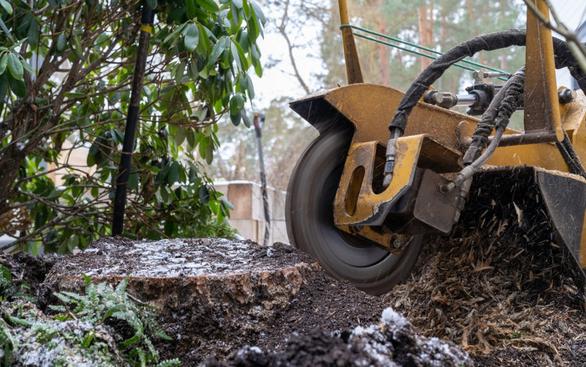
(497, 115)
(487, 42)
(570, 156)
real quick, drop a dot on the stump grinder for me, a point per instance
(390, 168)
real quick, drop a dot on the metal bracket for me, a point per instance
(542, 111)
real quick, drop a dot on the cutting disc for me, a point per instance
(310, 223)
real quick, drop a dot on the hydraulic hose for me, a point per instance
(497, 116)
(487, 42)
(498, 113)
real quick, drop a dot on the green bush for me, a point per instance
(65, 73)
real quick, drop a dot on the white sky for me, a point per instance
(279, 80)
(572, 13)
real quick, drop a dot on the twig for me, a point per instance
(574, 44)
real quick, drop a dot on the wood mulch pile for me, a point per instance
(501, 287)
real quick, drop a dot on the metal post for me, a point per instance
(353, 71)
(146, 28)
(542, 110)
(257, 119)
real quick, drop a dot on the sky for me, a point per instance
(278, 80)
(572, 13)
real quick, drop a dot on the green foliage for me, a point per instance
(102, 304)
(5, 280)
(65, 74)
(170, 363)
(7, 344)
(81, 329)
(11, 288)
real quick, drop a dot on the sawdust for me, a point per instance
(168, 258)
(500, 286)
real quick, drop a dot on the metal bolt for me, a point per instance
(566, 95)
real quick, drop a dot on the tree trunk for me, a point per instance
(22, 125)
(425, 22)
(443, 36)
(382, 50)
(9, 166)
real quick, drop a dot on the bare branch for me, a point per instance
(574, 44)
(282, 28)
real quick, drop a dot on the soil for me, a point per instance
(501, 288)
(501, 311)
(392, 342)
(230, 315)
(29, 271)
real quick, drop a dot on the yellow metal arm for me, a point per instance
(353, 71)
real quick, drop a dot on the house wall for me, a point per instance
(247, 216)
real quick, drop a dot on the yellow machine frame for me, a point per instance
(436, 137)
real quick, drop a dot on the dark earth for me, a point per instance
(497, 318)
(499, 288)
(275, 308)
(311, 322)
(232, 308)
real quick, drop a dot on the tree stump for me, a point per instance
(214, 296)
(208, 287)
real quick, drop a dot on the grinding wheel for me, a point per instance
(310, 223)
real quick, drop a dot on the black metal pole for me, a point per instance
(124, 168)
(263, 178)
